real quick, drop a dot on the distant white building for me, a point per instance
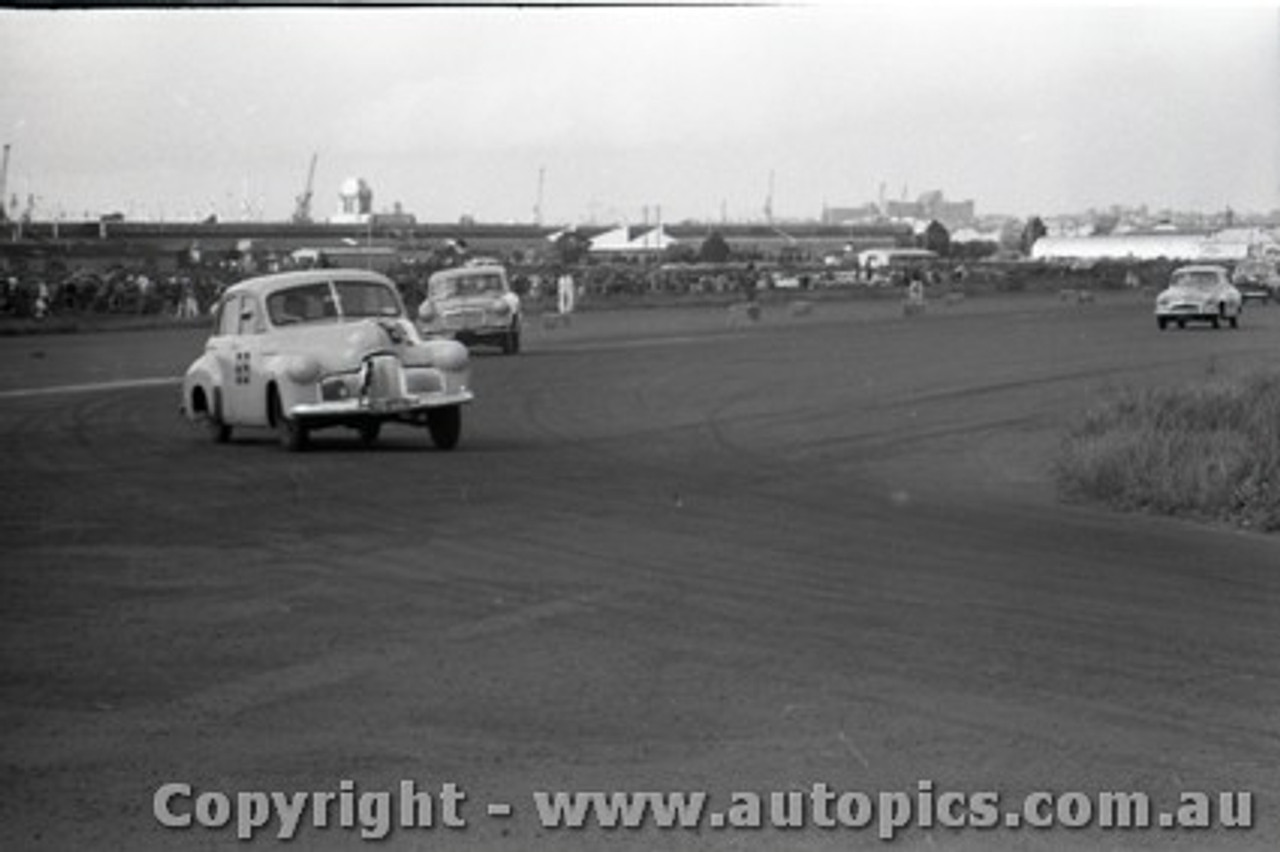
(880, 258)
(1228, 245)
(644, 239)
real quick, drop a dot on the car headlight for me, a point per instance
(427, 311)
(501, 308)
(335, 388)
(447, 354)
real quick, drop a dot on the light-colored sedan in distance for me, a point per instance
(1201, 293)
(472, 304)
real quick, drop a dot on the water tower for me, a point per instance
(355, 202)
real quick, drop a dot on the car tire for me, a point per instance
(1182, 323)
(291, 433)
(1161, 323)
(1235, 321)
(369, 432)
(218, 430)
(445, 426)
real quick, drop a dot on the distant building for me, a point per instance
(850, 215)
(633, 240)
(930, 206)
(1228, 245)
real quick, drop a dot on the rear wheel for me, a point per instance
(1161, 322)
(292, 434)
(218, 430)
(445, 426)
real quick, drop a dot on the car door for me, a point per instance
(245, 382)
(221, 347)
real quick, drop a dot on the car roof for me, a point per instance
(263, 284)
(1201, 267)
(468, 271)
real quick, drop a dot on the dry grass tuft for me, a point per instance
(1209, 451)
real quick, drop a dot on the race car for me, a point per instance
(302, 351)
(1199, 294)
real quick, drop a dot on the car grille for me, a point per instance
(382, 377)
(464, 319)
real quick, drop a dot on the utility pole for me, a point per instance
(768, 201)
(537, 207)
(4, 185)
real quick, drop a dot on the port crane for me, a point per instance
(302, 213)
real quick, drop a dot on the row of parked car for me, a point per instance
(302, 351)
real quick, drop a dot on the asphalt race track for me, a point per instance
(674, 551)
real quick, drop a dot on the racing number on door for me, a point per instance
(241, 370)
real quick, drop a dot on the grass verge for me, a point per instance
(1209, 451)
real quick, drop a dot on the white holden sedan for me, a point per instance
(1199, 294)
(301, 351)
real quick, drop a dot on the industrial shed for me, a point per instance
(1229, 245)
(632, 240)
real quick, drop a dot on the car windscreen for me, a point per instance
(367, 299)
(309, 303)
(1196, 280)
(475, 284)
(306, 303)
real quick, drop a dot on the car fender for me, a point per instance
(276, 371)
(205, 375)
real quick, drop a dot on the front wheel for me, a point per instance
(292, 434)
(445, 426)
(1161, 322)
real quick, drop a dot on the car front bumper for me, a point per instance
(379, 408)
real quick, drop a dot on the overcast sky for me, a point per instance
(180, 113)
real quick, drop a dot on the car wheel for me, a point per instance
(219, 431)
(445, 426)
(1235, 321)
(292, 434)
(1182, 323)
(1161, 322)
(1215, 322)
(369, 432)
